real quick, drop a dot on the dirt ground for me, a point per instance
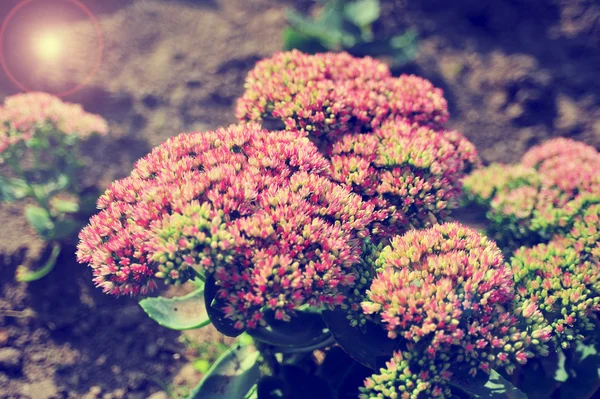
(514, 72)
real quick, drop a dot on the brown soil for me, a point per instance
(514, 72)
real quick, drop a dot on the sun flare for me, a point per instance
(47, 46)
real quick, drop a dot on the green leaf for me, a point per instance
(13, 189)
(537, 378)
(303, 330)
(64, 206)
(584, 374)
(330, 37)
(252, 393)
(362, 12)
(233, 375)
(39, 219)
(38, 142)
(492, 386)
(49, 189)
(369, 346)
(294, 39)
(180, 313)
(223, 324)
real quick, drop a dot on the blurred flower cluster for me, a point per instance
(532, 201)
(40, 116)
(39, 144)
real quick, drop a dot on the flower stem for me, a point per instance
(26, 276)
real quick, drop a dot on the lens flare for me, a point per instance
(47, 46)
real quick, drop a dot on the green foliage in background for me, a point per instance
(347, 25)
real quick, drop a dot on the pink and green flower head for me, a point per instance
(22, 116)
(447, 290)
(412, 174)
(484, 184)
(531, 202)
(253, 209)
(564, 287)
(332, 94)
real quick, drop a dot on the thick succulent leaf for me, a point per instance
(538, 377)
(328, 34)
(64, 206)
(584, 374)
(233, 375)
(303, 330)
(252, 393)
(180, 313)
(484, 386)
(13, 189)
(39, 219)
(362, 12)
(369, 346)
(213, 307)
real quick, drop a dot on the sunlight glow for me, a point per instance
(47, 46)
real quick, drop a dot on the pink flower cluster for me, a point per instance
(411, 174)
(534, 200)
(446, 291)
(482, 185)
(253, 209)
(383, 135)
(331, 94)
(22, 116)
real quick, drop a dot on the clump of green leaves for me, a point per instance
(347, 25)
(39, 146)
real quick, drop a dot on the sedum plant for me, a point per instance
(39, 148)
(318, 232)
(530, 202)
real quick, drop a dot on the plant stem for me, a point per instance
(14, 163)
(26, 276)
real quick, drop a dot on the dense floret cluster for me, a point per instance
(562, 285)
(532, 201)
(331, 94)
(411, 174)
(584, 236)
(446, 290)
(23, 116)
(482, 185)
(255, 210)
(383, 135)
(407, 376)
